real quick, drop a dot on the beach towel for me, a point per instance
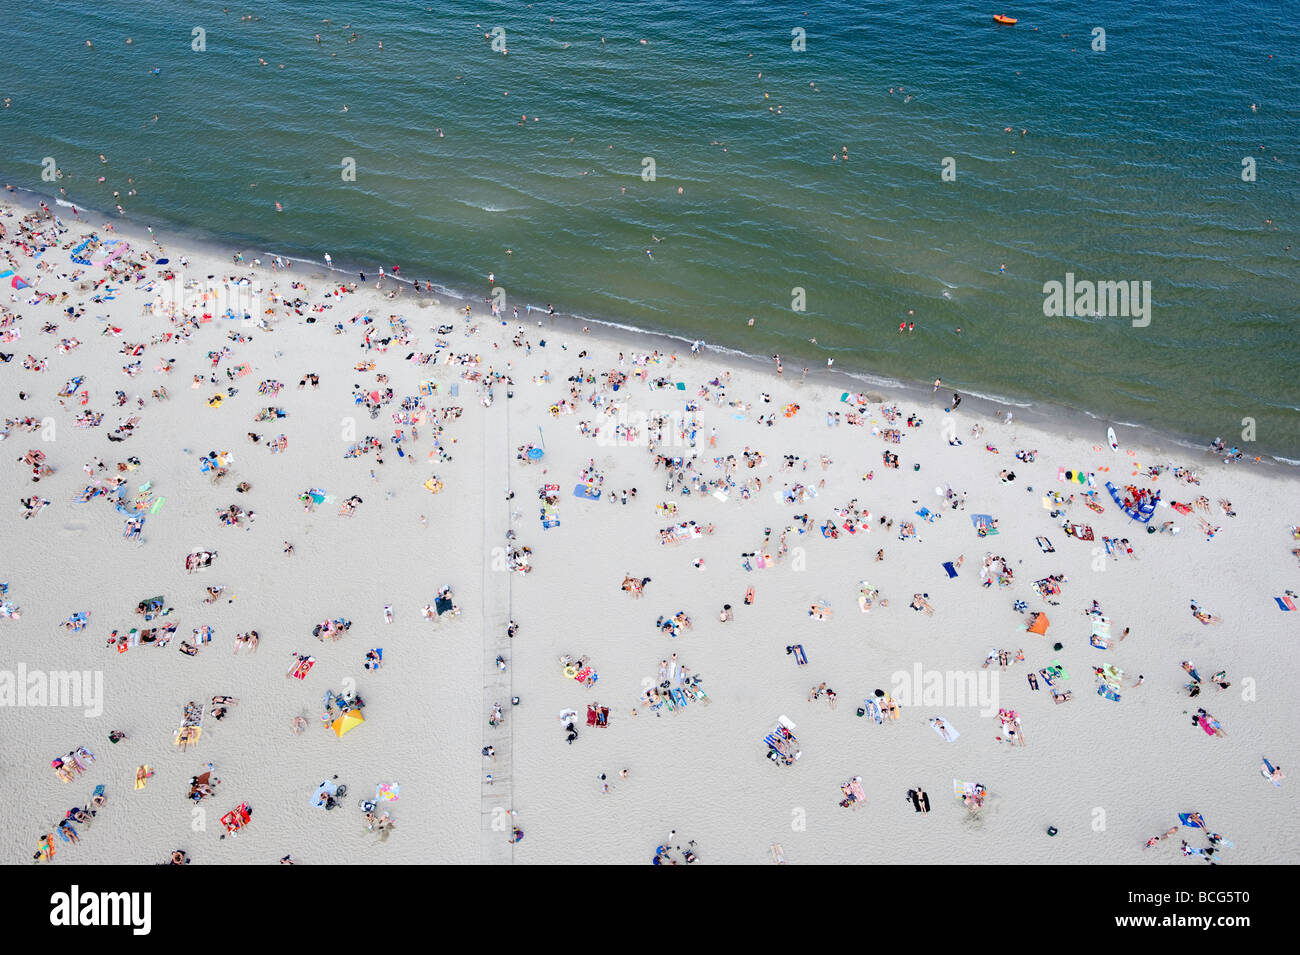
(237, 818)
(1047, 587)
(799, 656)
(1106, 691)
(1267, 771)
(866, 597)
(952, 733)
(1081, 532)
(1039, 625)
(323, 792)
(1045, 545)
(387, 792)
(1186, 819)
(587, 492)
(952, 570)
(1285, 603)
(300, 669)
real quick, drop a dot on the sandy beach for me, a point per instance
(773, 482)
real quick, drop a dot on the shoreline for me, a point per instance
(1083, 424)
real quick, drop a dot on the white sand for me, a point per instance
(1108, 775)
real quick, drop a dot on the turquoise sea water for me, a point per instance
(1130, 169)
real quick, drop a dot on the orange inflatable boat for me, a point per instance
(1003, 18)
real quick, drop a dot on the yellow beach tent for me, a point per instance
(349, 720)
